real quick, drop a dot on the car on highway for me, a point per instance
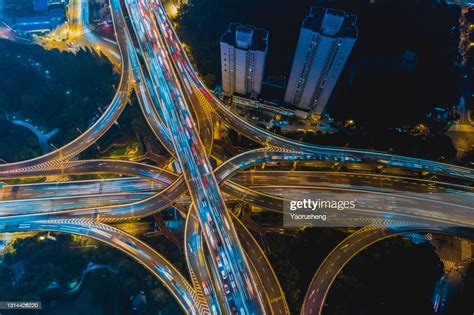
(226, 289)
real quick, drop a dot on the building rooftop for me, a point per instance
(331, 22)
(246, 37)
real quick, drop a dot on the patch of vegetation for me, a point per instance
(51, 89)
(131, 133)
(295, 259)
(63, 261)
(13, 150)
(392, 277)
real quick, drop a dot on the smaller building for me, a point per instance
(40, 23)
(243, 54)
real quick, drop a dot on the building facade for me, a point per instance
(243, 54)
(326, 39)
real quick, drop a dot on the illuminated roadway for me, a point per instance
(369, 181)
(266, 156)
(256, 178)
(239, 162)
(77, 188)
(133, 247)
(163, 198)
(247, 178)
(229, 264)
(429, 192)
(431, 195)
(350, 247)
(262, 178)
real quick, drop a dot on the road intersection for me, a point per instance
(230, 273)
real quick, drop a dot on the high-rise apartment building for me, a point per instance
(243, 54)
(325, 43)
